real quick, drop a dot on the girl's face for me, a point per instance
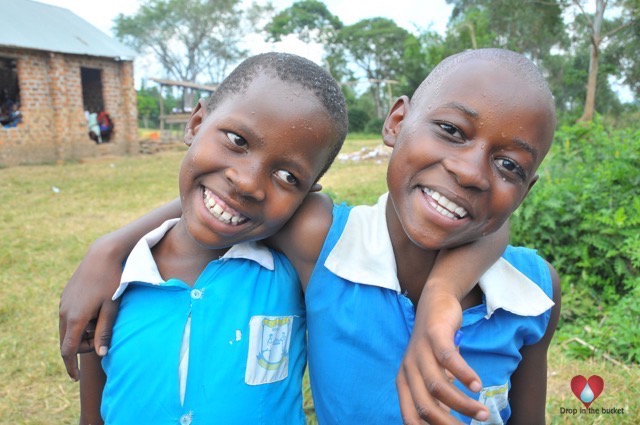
(252, 162)
(465, 154)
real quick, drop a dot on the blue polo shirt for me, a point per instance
(229, 350)
(360, 322)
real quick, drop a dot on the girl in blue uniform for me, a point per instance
(460, 167)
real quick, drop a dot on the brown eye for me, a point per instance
(510, 166)
(286, 176)
(236, 140)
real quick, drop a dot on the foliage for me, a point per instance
(584, 217)
(529, 27)
(192, 39)
(148, 106)
(304, 18)
(381, 61)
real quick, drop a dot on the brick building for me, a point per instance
(54, 66)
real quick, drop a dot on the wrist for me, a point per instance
(442, 289)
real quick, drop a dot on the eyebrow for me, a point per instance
(474, 114)
(526, 146)
(460, 107)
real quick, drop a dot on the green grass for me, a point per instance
(44, 235)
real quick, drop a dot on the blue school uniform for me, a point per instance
(360, 323)
(229, 350)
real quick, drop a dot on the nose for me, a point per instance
(246, 182)
(470, 167)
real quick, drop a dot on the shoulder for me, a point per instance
(557, 299)
(302, 238)
(532, 265)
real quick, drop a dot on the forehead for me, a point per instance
(284, 105)
(494, 95)
(283, 116)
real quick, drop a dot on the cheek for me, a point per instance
(282, 207)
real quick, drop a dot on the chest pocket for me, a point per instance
(269, 343)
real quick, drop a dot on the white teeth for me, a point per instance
(460, 211)
(445, 206)
(224, 215)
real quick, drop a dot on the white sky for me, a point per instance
(409, 14)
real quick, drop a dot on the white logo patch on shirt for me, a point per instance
(269, 340)
(495, 398)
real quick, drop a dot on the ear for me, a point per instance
(195, 121)
(533, 181)
(393, 122)
(317, 187)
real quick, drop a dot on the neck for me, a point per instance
(180, 256)
(413, 262)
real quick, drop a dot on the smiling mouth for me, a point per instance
(221, 211)
(444, 206)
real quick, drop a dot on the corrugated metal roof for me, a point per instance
(33, 25)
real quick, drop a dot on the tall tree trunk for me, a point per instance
(596, 39)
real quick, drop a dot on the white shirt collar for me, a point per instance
(141, 267)
(364, 254)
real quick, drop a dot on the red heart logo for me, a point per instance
(587, 390)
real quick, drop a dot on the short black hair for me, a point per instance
(513, 61)
(290, 68)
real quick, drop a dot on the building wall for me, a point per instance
(54, 127)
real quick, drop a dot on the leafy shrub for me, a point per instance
(584, 217)
(374, 126)
(358, 119)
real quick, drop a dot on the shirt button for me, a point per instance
(196, 294)
(185, 419)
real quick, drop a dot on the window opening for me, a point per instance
(10, 114)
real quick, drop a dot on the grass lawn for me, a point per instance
(51, 213)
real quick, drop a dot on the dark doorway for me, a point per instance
(92, 89)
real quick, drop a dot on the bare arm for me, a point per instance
(422, 381)
(88, 293)
(302, 238)
(529, 382)
(91, 386)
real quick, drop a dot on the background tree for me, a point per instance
(148, 106)
(376, 46)
(189, 38)
(599, 31)
(529, 27)
(309, 19)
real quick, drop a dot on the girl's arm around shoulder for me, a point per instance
(421, 381)
(88, 293)
(529, 382)
(302, 238)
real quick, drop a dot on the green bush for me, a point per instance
(584, 217)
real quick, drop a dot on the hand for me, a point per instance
(85, 298)
(424, 382)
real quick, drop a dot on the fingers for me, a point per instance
(450, 359)
(70, 339)
(104, 326)
(417, 406)
(427, 386)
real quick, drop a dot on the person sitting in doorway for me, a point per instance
(106, 126)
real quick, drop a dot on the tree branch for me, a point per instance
(615, 30)
(586, 15)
